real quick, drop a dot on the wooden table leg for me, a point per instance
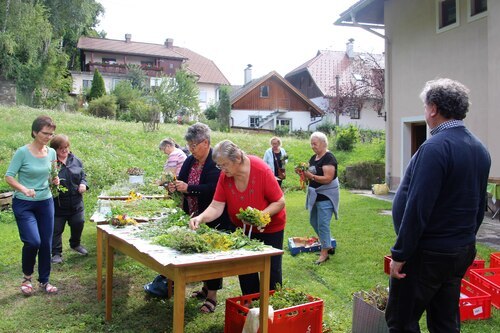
(99, 264)
(179, 299)
(109, 278)
(265, 277)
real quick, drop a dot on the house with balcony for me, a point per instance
(112, 57)
(427, 39)
(269, 102)
(322, 77)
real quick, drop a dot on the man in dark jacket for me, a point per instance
(437, 211)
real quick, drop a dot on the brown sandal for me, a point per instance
(208, 306)
(49, 289)
(200, 294)
(27, 287)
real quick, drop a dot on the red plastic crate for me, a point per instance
(474, 303)
(488, 279)
(476, 264)
(495, 259)
(387, 264)
(297, 319)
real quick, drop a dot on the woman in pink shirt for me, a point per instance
(176, 156)
(246, 181)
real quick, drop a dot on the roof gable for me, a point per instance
(254, 84)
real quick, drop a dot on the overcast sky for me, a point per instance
(271, 35)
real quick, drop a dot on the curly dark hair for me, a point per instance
(450, 97)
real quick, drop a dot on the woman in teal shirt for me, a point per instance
(32, 202)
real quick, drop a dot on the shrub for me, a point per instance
(98, 89)
(103, 107)
(363, 175)
(301, 134)
(347, 138)
(368, 135)
(282, 130)
(327, 127)
(211, 112)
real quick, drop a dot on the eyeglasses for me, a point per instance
(222, 166)
(194, 145)
(47, 134)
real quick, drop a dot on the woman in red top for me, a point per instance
(246, 181)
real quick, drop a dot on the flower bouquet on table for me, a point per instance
(121, 220)
(54, 172)
(299, 169)
(253, 217)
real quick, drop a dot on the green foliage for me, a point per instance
(125, 93)
(281, 130)
(103, 107)
(327, 127)
(98, 89)
(347, 138)
(211, 112)
(146, 112)
(137, 77)
(187, 94)
(224, 109)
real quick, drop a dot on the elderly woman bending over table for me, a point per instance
(246, 181)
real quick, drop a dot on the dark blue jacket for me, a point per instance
(205, 190)
(71, 175)
(441, 200)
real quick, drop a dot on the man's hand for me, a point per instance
(395, 269)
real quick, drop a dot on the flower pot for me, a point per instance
(136, 179)
(366, 318)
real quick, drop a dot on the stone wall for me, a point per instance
(7, 92)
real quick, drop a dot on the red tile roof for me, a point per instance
(202, 67)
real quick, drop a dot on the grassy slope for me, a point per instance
(108, 148)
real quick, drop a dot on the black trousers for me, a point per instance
(76, 222)
(250, 283)
(432, 284)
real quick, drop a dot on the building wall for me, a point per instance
(211, 93)
(299, 119)
(416, 53)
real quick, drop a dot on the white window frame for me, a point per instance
(253, 119)
(279, 122)
(470, 16)
(155, 81)
(89, 84)
(438, 17)
(203, 96)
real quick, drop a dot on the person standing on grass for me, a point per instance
(276, 157)
(69, 204)
(32, 202)
(323, 195)
(437, 211)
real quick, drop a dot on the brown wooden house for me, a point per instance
(271, 101)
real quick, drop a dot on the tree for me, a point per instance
(98, 89)
(364, 82)
(224, 109)
(177, 96)
(125, 93)
(137, 77)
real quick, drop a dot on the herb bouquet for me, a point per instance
(253, 217)
(299, 169)
(54, 172)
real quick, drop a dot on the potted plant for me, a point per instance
(135, 175)
(369, 311)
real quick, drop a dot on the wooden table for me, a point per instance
(181, 268)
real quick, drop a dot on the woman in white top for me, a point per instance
(275, 157)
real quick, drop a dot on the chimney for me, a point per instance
(248, 74)
(169, 43)
(128, 38)
(350, 48)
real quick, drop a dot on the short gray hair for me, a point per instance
(450, 97)
(320, 136)
(166, 142)
(228, 150)
(197, 133)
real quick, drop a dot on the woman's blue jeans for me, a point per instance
(319, 218)
(35, 221)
